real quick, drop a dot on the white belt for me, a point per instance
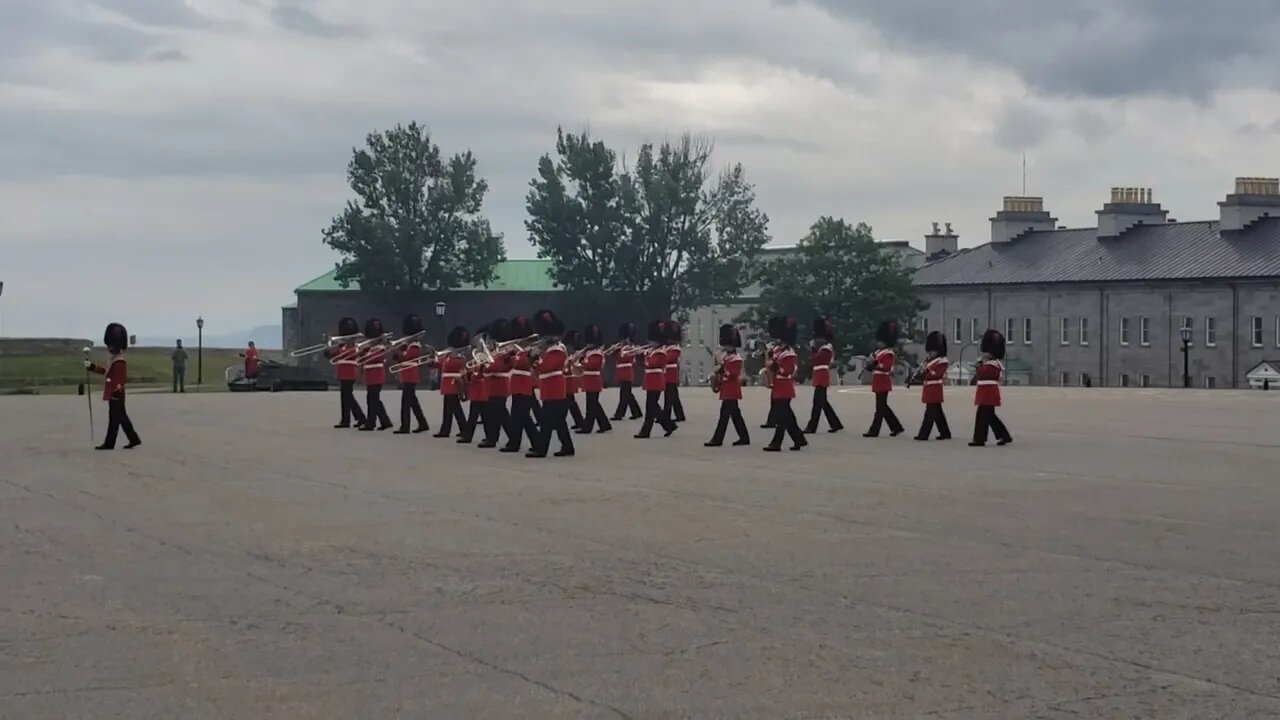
(554, 373)
(346, 362)
(932, 382)
(881, 372)
(988, 382)
(521, 373)
(590, 372)
(654, 371)
(673, 365)
(374, 365)
(450, 375)
(821, 367)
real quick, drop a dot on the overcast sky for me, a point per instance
(162, 159)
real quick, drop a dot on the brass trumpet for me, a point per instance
(328, 343)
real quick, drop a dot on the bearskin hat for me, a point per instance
(675, 333)
(658, 331)
(546, 323)
(729, 336)
(459, 337)
(373, 328)
(993, 344)
(412, 324)
(520, 327)
(348, 326)
(887, 333)
(115, 337)
(936, 343)
(627, 331)
(593, 336)
(499, 330)
(784, 329)
(822, 329)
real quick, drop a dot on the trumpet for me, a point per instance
(321, 347)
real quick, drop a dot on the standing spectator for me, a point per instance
(250, 362)
(179, 368)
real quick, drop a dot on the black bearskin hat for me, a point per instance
(546, 324)
(658, 331)
(887, 333)
(499, 330)
(412, 324)
(348, 326)
(675, 333)
(936, 343)
(784, 329)
(993, 344)
(520, 327)
(571, 339)
(459, 337)
(729, 336)
(627, 331)
(774, 327)
(593, 336)
(115, 337)
(373, 328)
(822, 329)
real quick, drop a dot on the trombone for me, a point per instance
(406, 339)
(429, 355)
(329, 342)
(384, 338)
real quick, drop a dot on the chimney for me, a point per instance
(1129, 206)
(1020, 216)
(941, 243)
(1254, 199)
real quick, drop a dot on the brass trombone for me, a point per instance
(429, 355)
(385, 338)
(406, 339)
(329, 342)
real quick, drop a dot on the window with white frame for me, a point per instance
(1064, 379)
(1211, 332)
(1084, 331)
(1188, 324)
(1146, 381)
(1255, 328)
(1026, 331)
(1064, 329)
(958, 335)
(1210, 382)
(1124, 379)
(924, 327)
(973, 331)
(1124, 331)
(1144, 331)
(1008, 329)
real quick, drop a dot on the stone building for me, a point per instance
(1106, 305)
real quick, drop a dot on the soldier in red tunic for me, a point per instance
(343, 357)
(498, 376)
(881, 363)
(823, 355)
(451, 387)
(593, 380)
(655, 380)
(933, 374)
(785, 363)
(671, 404)
(374, 359)
(551, 368)
(477, 400)
(624, 373)
(573, 343)
(987, 397)
(410, 377)
(729, 373)
(115, 378)
(523, 417)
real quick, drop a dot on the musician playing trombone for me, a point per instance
(341, 351)
(823, 355)
(727, 382)
(573, 375)
(451, 366)
(625, 354)
(498, 377)
(592, 365)
(551, 365)
(523, 414)
(477, 395)
(407, 350)
(371, 353)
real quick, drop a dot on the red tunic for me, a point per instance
(655, 369)
(374, 360)
(784, 381)
(411, 375)
(250, 356)
(498, 376)
(988, 392)
(935, 371)
(477, 386)
(451, 375)
(882, 370)
(624, 369)
(521, 374)
(731, 378)
(115, 376)
(673, 365)
(344, 359)
(552, 384)
(592, 369)
(822, 358)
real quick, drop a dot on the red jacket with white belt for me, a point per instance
(784, 380)
(935, 371)
(592, 369)
(655, 370)
(498, 376)
(673, 364)
(624, 370)
(374, 360)
(410, 375)
(882, 370)
(822, 358)
(731, 377)
(451, 375)
(344, 360)
(115, 377)
(988, 392)
(521, 374)
(552, 384)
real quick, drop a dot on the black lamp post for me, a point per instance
(199, 351)
(1186, 362)
(440, 307)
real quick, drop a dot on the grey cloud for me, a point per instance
(1090, 124)
(171, 55)
(158, 13)
(1020, 127)
(1254, 129)
(293, 15)
(26, 28)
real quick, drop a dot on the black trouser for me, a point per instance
(475, 413)
(884, 413)
(653, 412)
(179, 379)
(553, 420)
(787, 423)
(522, 421)
(409, 405)
(572, 403)
(117, 420)
(495, 420)
(822, 406)
(452, 411)
(729, 411)
(671, 403)
(986, 419)
(626, 401)
(377, 411)
(933, 415)
(595, 414)
(350, 408)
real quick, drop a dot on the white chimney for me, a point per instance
(941, 243)
(1021, 215)
(1254, 199)
(1129, 207)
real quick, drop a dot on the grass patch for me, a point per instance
(148, 366)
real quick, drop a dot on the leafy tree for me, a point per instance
(417, 222)
(665, 233)
(838, 270)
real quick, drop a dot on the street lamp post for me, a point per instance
(440, 307)
(1186, 357)
(199, 351)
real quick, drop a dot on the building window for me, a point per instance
(924, 328)
(1064, 379)
(1008, 330)
(1146, 381)
(1084, 379)
(1188, 324)
(1084, 331)
(1210, 382)
(1256, 330)
(699, 329)
(1144, 331)
(959, 333)
(1064, 330)
(1026, 331)
(1211, 332)
(973, 331)
(1124, 331)
(1124, 379)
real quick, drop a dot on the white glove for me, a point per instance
(88, 364)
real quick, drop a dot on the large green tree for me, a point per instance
(416, 223)
(840, 271)
(666, 232)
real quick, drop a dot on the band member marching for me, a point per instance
(881, 361)
(671, 401)
(624, 372)
(823, 355)
(498, 376)
(477, 399)
(451, 387)
(373, 357)
(409, 378)
(655, 381)
(727, 382)
(551, 367)
(770, 356)
(783, 370)
(343, 357)
(933, 373)
(573, 343)
(987, 396)
(523, 416)
(593, 380)
(115, 376)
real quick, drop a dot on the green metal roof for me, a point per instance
(512, 276)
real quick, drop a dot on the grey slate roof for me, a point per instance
(1177, 251)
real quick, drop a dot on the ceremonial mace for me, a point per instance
(88, 394)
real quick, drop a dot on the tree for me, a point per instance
(417, 222)
(840, 271)
(665, 234)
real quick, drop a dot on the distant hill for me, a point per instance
(267, 337)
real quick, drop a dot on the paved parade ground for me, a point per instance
(1119, 560)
